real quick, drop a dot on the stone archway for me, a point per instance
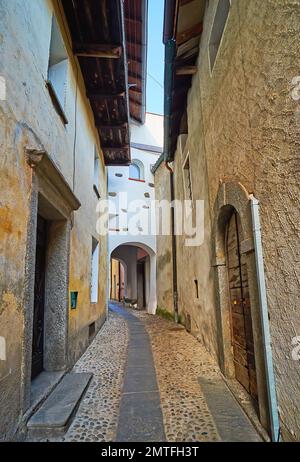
(150, 272)
(233, 197)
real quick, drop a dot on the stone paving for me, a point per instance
(98, 414)
(181, 363)
(180, 359)
(140, 417)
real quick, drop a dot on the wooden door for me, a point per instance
(241, 322)
(39, 298)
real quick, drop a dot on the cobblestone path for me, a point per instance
(98, 414)
(177, 367)
(180, 359)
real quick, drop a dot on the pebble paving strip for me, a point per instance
(98, 414)
(179, 360)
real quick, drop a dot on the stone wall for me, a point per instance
(243, 126)
(27, 116)
(164, 247)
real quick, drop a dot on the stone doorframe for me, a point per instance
(233, 196)
(51, 197)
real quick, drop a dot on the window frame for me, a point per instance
(139, 164)
(57, 102)
(96, 185)
(210, 44)
(187, 179)
(94, 285)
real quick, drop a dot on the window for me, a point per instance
(95, 270)
(96, 173)
(187, 179)
(196, 288)
(92, 329)
(57, 69)
(136, 170)
(217, 30)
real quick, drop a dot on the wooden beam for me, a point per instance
(133, 101)
(138, 20)
(91, 50)
(189, 33)
(134, 59)
(106, 95)
(184, 2)
(115, 149)
(121, 162)
(186, 70)
(131, 41)
(132, 75)
(135, 90)
(111, 127)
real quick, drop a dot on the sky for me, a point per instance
(155, 71)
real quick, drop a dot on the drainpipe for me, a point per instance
(170, 53)
(264, 315)
(174, 252)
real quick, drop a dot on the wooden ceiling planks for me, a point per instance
(108, 40)
(96, 28)
(136, 38)
(183, 22)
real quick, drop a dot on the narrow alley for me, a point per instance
(152, 381)
(149, 223)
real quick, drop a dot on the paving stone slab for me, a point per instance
(232, 423)
(56, 413)
(140, 417)
(139, 380)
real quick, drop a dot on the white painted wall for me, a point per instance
(145, 139)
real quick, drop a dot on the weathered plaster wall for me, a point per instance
(127, 224)
(28, 113)
(164, 263)
(244, 126)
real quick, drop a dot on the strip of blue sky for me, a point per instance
(155, 71)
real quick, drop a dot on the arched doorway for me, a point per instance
(139, 261)
(234, 227)
(240, 309)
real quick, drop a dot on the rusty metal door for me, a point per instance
(39, 299)
(241, 322)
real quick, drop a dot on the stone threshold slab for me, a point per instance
(232, 423)
(56, 414)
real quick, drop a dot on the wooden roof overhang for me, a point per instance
(183, 28)
(136, 13)
(99, 29)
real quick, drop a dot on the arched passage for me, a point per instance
(140, 263)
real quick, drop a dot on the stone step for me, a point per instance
(55, 415)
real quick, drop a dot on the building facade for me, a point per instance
(131, 192)
(59, 97)
(233, 144)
